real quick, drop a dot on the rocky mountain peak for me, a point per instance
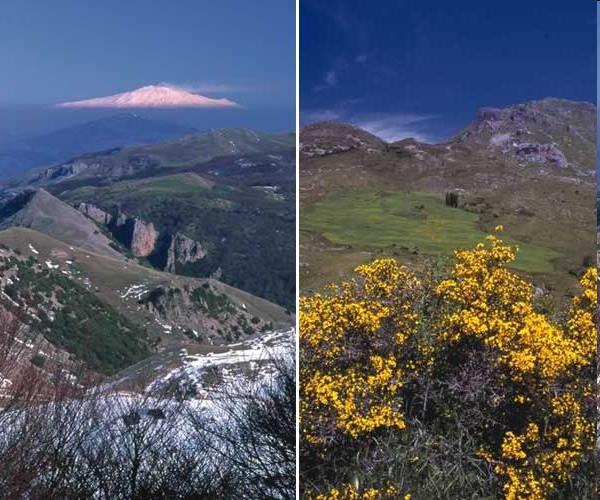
(548, 131)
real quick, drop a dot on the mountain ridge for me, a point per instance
(186, 151)
(119, 130)
(513, 118)
(42, 211)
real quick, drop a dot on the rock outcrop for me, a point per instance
(325, 138)
(95, 213)
(143, 238)
(549, 132)
(139, 236)
(183, 250)
(541, 153)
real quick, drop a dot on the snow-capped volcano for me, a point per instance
(152, 96)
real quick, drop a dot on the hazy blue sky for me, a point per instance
(59, 50)
(403, 67)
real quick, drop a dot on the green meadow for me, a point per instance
(412, 221)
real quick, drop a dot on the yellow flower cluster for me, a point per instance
(349, 492)
(357, 401)
(521, 483)
(535, 462)
(488, 302)
(326, 321)
(354, 353)
(582, 318)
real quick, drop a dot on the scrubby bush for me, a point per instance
(68, 439)
(452, 199)
(447, 386)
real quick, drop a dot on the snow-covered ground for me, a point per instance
(250, 360)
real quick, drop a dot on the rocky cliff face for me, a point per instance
(139, 236)
(183, 250)
(95, 213)
(143, 238)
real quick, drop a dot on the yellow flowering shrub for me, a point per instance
(341, 398)
(355, 351)
(485, 301)
(349, 492)
(544, 457)
(374, 346)
(488, 302)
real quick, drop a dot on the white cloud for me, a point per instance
(330, 78)
(321, 115)
(388, 126)
(396, 126)
(215, 87)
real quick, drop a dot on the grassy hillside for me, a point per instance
(198, 148)
(43, 212)
(356, 205)
(72, 317)
(120, 283)
(188, 152)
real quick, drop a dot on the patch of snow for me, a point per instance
(135, 291)
(257, 354)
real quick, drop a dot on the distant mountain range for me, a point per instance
(121, 130)
(185, 152)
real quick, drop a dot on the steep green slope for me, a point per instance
(126, 286)
(229, 194)
(70, 316)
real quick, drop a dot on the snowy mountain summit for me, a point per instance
(152, 96)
